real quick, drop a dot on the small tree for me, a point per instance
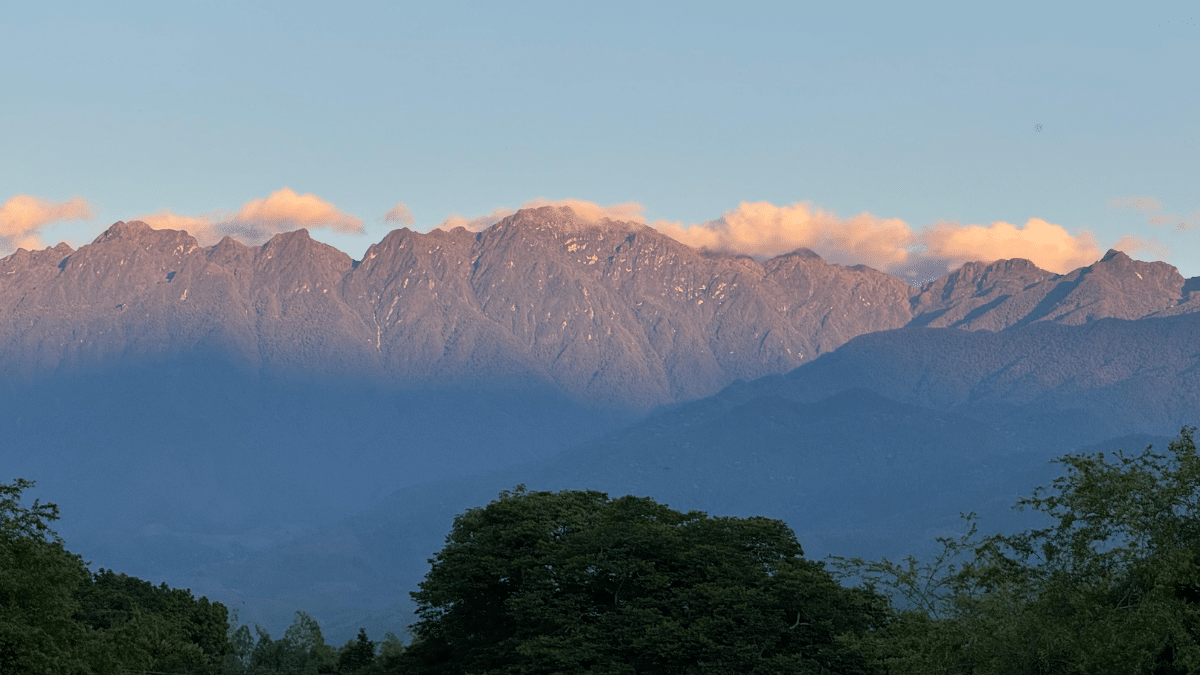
(356, 654)
(541, 582)
(302, 650)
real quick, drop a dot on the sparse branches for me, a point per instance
(17, 521)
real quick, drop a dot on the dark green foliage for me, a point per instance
(391, 654)
(1109, 587)
(356, 654)
(109, 600)
(301, 651)
(540, 582)
(56, 617)
(38, 579)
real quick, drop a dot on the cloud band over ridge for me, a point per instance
(764, 230)
(758, 229)
(630, 212)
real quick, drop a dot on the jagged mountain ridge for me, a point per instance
(613, 314)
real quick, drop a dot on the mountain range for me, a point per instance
(285, 427)
(611, 314)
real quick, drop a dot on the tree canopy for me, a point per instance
(573, 581)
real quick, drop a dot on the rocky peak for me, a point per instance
(1114, 254)
(139, 233)
(802, 254)
(563, 221)
(122, 229)
(1117, 263)
(297, 247)
(227, 249)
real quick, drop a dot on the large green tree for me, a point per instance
(576, 582)
(38, 581)
(1111, 585)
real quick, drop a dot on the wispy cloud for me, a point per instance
(1154, 215)
(630, 212)
(1192, 222)
(23, 217)
(765, 230)
(203, 228)
(399, 214)
(478, 223)
(1145, 203)
(260, 219)
(1133, 246)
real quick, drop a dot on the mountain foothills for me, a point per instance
(284, 428)
(610, 314)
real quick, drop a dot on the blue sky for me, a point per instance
(920, 116)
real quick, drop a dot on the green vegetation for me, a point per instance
(58, 618)
(576, 582)
(1112, 585)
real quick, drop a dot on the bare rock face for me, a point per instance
(613, 314)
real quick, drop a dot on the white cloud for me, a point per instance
(260, 219)
(589, 211)
(765, 230)
(1047, 245)
(477, 223)
(630, 212)
(889, 244)
(399, 214)
(23, 217)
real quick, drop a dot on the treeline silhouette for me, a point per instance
(578, 582)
